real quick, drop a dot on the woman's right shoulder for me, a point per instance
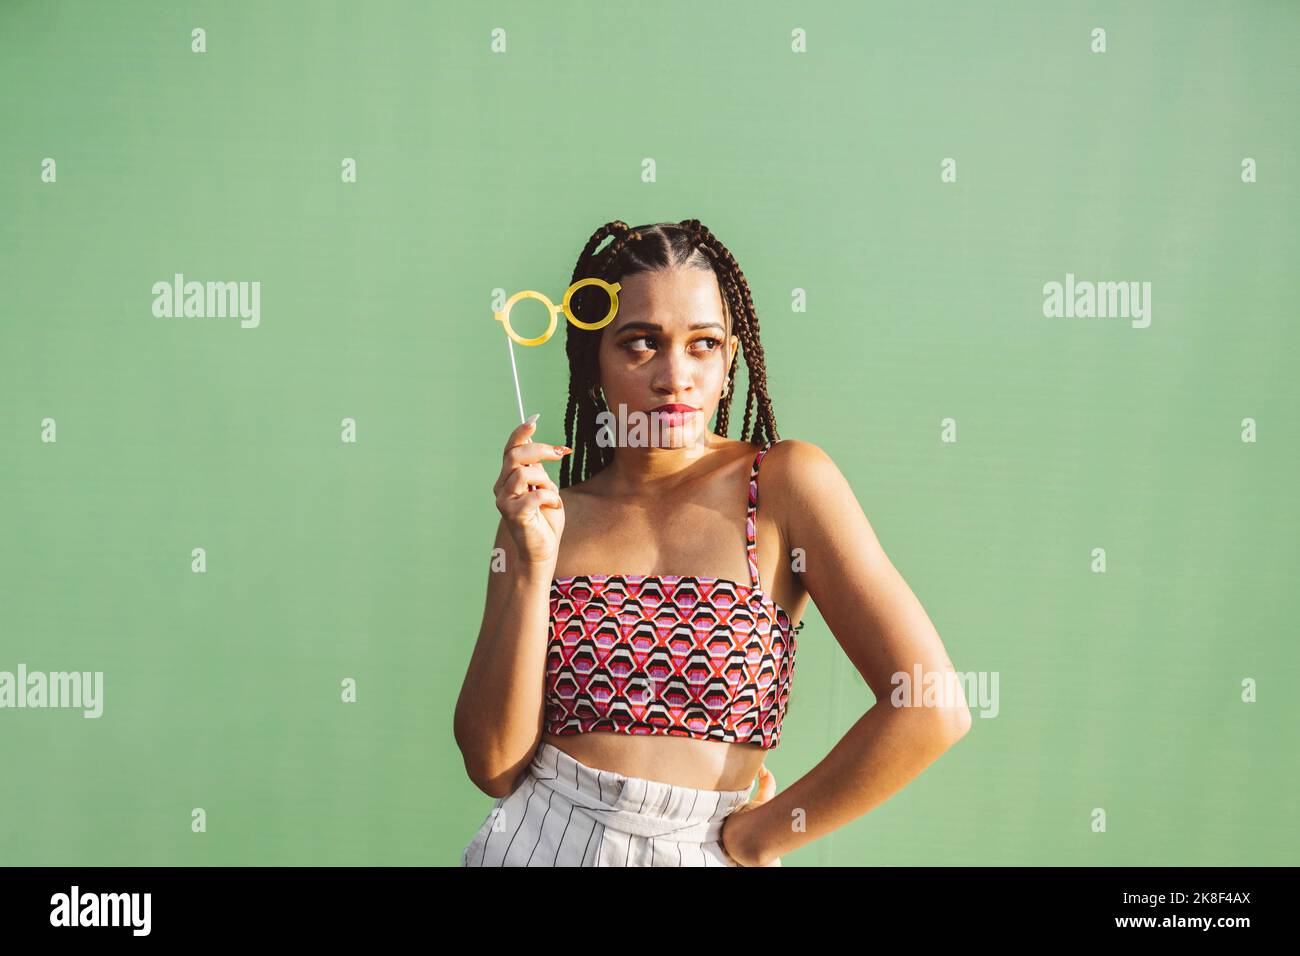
(578, 495)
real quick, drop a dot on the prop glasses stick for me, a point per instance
(519, 397)
(553, 310)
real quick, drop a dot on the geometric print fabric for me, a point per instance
(673, 655)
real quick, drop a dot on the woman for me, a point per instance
(634, 663)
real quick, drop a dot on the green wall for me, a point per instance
(480, 171)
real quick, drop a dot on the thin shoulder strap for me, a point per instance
(751, 519)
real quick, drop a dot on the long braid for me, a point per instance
(736, 287)
(724, 406)
(582, 404)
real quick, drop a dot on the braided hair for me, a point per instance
(663, 245)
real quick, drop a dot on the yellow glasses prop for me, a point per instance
(503, 316)
(554, 310)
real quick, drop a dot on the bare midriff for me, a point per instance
(681, 761)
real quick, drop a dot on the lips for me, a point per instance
(674, 415)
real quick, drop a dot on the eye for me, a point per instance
(632, 344)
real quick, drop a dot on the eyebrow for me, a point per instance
(652, 327)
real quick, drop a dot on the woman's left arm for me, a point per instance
(884, 631)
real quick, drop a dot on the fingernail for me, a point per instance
(563, 449)
(532, 419)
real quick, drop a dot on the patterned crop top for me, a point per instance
(701, 657)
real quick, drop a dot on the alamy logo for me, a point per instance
(102, 909)
(198, 300)
(1087, 300)
(55, 689)
(946, 689)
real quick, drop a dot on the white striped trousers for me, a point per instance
(564, 813)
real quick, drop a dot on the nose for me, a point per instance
(673, 377)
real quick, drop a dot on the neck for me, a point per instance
(635, 470)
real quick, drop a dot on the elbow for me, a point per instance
(467, 756)
(953, 724)
(490, 786)
(497, 785)
(496, 789)
(494, 785)
(492, 781)
(937, 731)
(940, 725)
